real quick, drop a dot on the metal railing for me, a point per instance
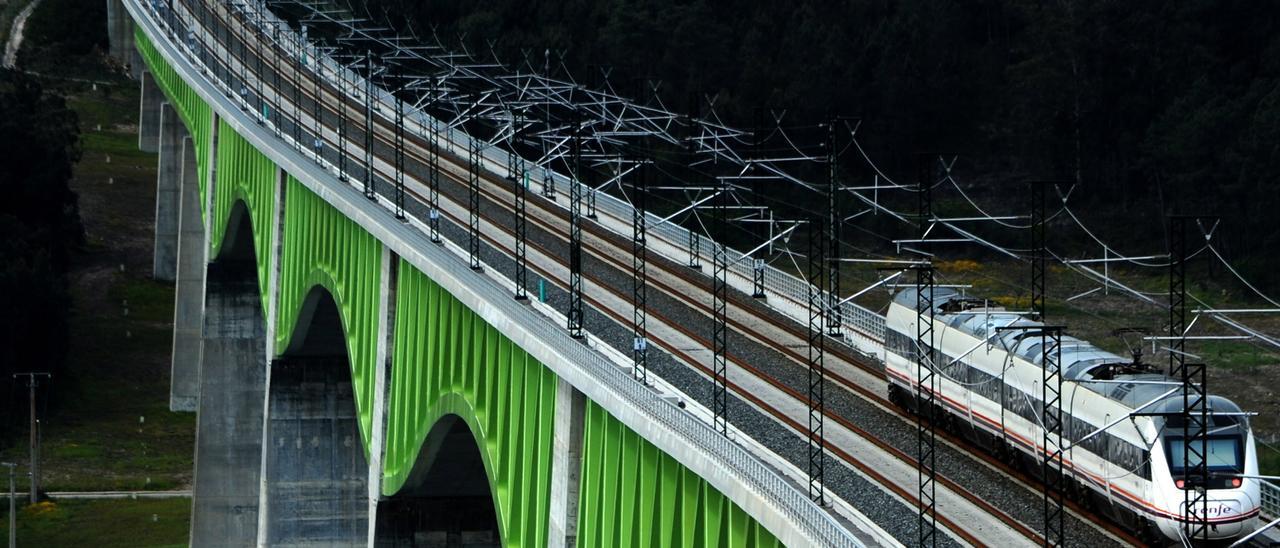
(1270, 500)
(785, 497)
(863, 328)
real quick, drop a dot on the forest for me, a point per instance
(1147, 107)
(40, 229)
(40, 223)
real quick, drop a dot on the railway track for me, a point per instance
(609, 248)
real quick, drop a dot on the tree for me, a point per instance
(40, 224)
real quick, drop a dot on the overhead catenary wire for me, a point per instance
(721, 139)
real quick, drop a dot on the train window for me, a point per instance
(1031, 352)
(900, 344)
(1122, 455)
(976, 324)
(1223, 453)
(984, 384)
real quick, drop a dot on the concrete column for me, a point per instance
(136, 65)
(566, 466)
(316, 476)
(119, 32)
(168, 190)
(386, 339)
(273, 300)
(188, 306)
(316, 473)
(229, 421)
(149, 114)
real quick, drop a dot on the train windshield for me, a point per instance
(1224, 454)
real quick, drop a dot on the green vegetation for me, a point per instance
(8, 13)
(110, 427)
(1236, 355)
(67, 38)
(1268, 460)
(40, 220)
(106, 423)
(102, 523)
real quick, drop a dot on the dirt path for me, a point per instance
(15, 35)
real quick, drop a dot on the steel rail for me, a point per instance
(414, 143)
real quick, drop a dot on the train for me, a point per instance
(1121, 419)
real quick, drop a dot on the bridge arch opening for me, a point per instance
(446, 500)
(316, 469)
(237, 240)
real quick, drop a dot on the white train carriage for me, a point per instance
(988, 386)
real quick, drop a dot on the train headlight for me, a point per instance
(1180, 483)
(1235, 482)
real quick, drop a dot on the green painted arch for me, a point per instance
(245, 175)
(633, 494)
(456, 404)
(322, 247)
(192, 110)
(447, 360)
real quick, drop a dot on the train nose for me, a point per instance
(1220, 514)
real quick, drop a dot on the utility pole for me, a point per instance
(1195, 408)
(520, 177)
(926, 384)
(575, 230)
(817, 367)
(13, 505)
(640, 264)
(35, 433)
(368, 137)
(1052, 476)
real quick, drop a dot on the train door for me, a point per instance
(1073, 429)
(970, 377)
(1004, 403)
(1037, 432)
(1106, 461)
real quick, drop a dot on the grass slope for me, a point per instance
(110, 428)
(102, 523)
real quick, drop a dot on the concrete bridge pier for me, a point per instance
(566, 466)
(388, 274)
(120, 37)
(173, 136)
(229, 421)
(149, 113)
(188, 308)
(232, 376)
(136, 66)
(315, 472)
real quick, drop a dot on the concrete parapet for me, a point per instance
(229, 421)
(168, 193)
(149, 114)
